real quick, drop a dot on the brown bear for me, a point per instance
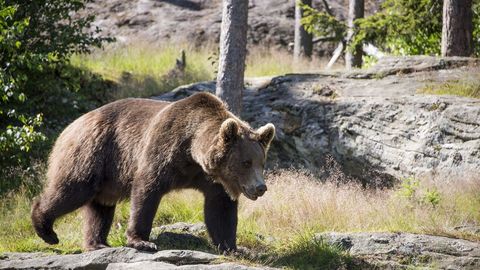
(142, 149)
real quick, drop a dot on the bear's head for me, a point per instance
(236, 159)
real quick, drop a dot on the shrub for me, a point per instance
(400, 27)
(403, 27)
(36, 82)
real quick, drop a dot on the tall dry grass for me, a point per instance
(295, 206)
(142, 70)
(296, 202)
(467, 85)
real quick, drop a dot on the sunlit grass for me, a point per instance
(270, 62)
(145, 70)
(279, 226)
(466, 87)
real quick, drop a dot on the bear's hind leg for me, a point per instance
(43, 224)
(97, 222)
(220, 217)
(56, 202)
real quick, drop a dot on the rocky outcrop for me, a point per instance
(374, 123)
(118, 259)
(405, 250)
(270, 22)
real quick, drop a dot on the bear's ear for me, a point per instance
(229, 130)
(266, 134)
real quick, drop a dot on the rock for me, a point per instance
(197, 22)
(181, 236)
(141, 265)
(183, 227)
(472, 229)
(98, 259)
(164, 266)
(184, 257)
(118, 258)
(223, 266)
(373, 123)
(403, 250)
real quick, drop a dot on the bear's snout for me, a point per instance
(254, 191)
(260, 190)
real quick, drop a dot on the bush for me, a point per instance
(36, 82)
(401, 27)
(404, 27)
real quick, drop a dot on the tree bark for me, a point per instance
(233, 49)
(457, 28)
(303, 41)
(356, 10)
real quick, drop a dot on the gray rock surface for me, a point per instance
(183, 257)
(141, 265)
(374, 123)
(270, 22)
(403, 250)
(182, 227)
(118, 258)
(90, 260)
(181, 235)
(164, 266)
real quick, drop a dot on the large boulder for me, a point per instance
(197, 22)
(405, 250)
(121, 258)
(373, 123)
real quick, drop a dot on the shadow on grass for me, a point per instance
(175, 240)
(314, 255)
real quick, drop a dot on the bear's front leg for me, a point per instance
(221, 218)
(144, 204)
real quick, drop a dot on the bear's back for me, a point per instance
(103, 142)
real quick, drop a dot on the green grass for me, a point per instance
(465, 88)
(278, 228)
(141, 70)
(305, 252)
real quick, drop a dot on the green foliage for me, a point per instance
(409, 187)
(403, 27)
(17, 128)
(53, 29)
(400, 27)
(322, 24)
(36, 82)
(432, 197)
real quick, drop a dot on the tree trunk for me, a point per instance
(303, 41)
(457, 28)
(355, 11)
(233, 49)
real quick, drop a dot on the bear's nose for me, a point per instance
(261, 189)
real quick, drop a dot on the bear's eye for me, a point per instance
(247, 164)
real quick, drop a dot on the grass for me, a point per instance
(143, 70)
(270, 62)
(279, 226)
(467, 87)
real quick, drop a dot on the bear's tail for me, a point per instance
(43, 224)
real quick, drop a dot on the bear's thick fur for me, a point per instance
(143, 149)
